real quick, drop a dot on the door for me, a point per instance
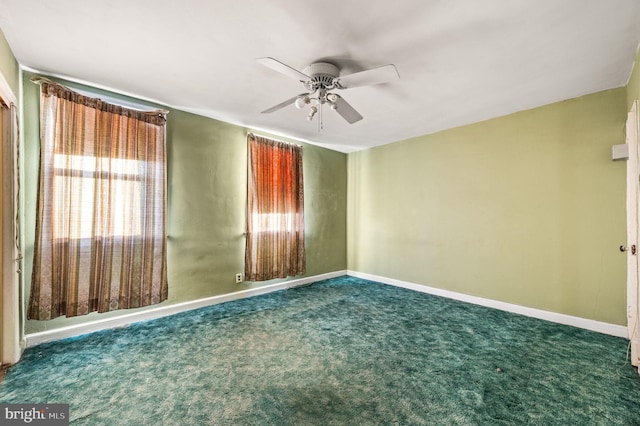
(633, 183)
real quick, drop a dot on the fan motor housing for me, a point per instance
(322, 73)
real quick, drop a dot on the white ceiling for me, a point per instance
(460, 61)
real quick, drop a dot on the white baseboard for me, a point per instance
(162, 311)
(588, 324)
(34, 339)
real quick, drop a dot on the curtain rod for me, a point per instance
(39, 80)
(274, 139)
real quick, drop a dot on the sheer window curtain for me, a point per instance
(275, 210)
(101, 209)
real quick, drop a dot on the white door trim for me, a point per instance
(6, 92)
(633, 179)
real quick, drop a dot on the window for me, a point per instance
(80, 173)
(275, 210)
(101, 214)
(274, 222)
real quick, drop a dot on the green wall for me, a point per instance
(8, 65)
(207, 192)
(527, 209)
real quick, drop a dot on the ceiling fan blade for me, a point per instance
(283, 68)
(283, 104)
(378, 75)
(346, 111)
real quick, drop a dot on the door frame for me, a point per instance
(10, 345)
(633, 271)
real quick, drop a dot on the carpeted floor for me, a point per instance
(340, 352)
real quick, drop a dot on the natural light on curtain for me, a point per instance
(81, 226)
(275, 210)
(101, 215)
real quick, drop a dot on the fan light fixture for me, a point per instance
(319, 98)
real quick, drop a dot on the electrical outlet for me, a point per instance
(238, 278)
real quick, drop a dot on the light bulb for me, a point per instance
(312, 113)
(301, 101)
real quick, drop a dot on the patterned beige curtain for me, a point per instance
(101, 214)
(275, 210)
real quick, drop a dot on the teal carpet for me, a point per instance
(340, 352)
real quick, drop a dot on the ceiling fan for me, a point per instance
(320, 78)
